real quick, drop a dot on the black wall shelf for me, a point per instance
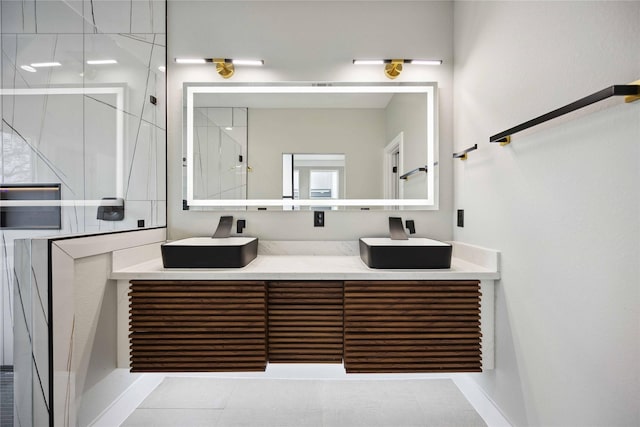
(631, 90)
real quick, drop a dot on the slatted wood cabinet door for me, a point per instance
(412, 326)
(203, 326)
(305, 322)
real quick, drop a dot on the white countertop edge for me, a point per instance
(292, 267)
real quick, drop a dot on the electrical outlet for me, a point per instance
(318, 218)
(460, 217)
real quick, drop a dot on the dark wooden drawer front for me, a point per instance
(305, 322)
(202, 326)
(410, 326)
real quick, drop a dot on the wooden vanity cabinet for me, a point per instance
(373, 326)
(412, 326)
(203, 326)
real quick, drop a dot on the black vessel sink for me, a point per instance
(383, 252)
(206, 252)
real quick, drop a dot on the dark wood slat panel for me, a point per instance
(198, 326)
(381, 369)
(407, 330)
(355, 348)
(422, 299)
(196, 329)
(169, 305)
(213, 348)
(289, 313)
(204, 368)
(417, 324)
(285, 346)
(412, 326)
(297, 340)
(305, 322)
(201, 293)
(214, 312)
(380, 306)
(197, 366)
(221, 338)
(304, 284)
(372, 314)
(240, 284)
(355, 320)
(387, 341)
(395, 294)
(223, 302)
(152, 317)
(304, 353)
(302, 319)
(196, 359)
(385, 335)
(306, 307)
(303, 301)
(418, 284)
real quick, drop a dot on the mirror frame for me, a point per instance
(428, 88)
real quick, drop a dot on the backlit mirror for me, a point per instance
(310, 146)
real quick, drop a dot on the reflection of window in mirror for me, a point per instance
(313, 176)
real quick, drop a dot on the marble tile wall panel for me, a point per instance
(31, 370)
(19, 16)
(58, 16)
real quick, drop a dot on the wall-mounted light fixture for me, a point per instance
(224, 66)
(393, 67)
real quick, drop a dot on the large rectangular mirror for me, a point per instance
(310, 146)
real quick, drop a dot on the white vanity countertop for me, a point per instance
(468, 263)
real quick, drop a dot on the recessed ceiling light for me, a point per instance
(228, 128)
(28, 68)
(162, 68)
(101, 61)
(45, 64)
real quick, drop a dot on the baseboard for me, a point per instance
(483, 404)
(120, 409)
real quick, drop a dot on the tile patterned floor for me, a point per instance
(215, 402)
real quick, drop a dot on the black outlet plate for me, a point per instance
(318, 218)
(460, 217)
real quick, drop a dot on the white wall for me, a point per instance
(309, 41)
(560, 203)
